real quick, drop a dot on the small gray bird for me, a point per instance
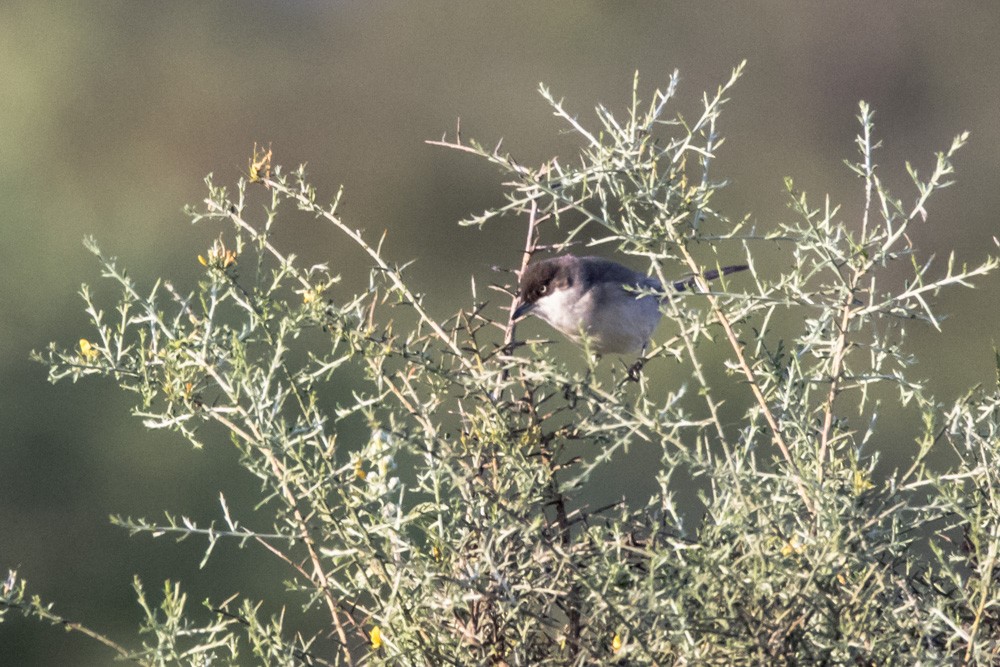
(596, 297)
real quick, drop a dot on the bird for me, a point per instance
(599, 299)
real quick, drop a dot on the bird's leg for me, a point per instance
(635, 370)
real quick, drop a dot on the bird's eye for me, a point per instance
(543, 289)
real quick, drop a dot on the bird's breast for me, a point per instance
(613, 319)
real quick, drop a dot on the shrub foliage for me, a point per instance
(458, 531)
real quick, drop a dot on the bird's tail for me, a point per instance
(689, 282)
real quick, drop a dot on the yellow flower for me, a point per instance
(792, 547)
(376, 637)
(359, 469)
(616, 643)
(87, 351)
(218, 256)
(260, 164)
(861, 483)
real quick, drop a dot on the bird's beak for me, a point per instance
(523, 310)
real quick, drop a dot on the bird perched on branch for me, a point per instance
(599, 299)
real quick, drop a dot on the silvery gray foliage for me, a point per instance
(458, 530)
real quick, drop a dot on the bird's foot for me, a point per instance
(635, 370)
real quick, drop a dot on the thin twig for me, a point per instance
(751, 377)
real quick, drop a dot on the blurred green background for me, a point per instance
(112, 113)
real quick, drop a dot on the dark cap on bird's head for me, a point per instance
(542, 278)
